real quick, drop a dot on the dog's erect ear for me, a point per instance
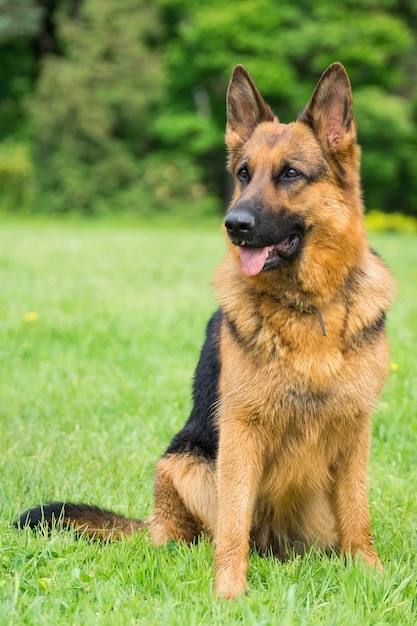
(330, 110)
(245, 108)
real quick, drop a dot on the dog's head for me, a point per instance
(297, 184)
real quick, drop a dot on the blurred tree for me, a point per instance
(92, 105)
(27, 32)
(129, 106)
(19, 20)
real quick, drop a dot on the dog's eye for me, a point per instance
(243, 174)
(291, 172)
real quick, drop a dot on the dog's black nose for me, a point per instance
(240, 222)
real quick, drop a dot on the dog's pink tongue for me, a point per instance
(252, 260)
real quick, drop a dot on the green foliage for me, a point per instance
(387, 133)
(135, 91)
(95, 386)
(91, 109)
(19, 20)
(377, 222)
(16, 177)
(18, 17)
(169, 185)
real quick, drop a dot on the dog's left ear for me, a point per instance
(245, 108)
(330, 110)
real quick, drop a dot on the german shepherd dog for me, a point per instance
(275, 451)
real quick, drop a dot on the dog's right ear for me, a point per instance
(245, 108)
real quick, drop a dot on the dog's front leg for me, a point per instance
(238, 474)
(350, 498)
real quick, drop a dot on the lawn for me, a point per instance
(100, 328)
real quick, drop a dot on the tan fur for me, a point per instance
(185, 499)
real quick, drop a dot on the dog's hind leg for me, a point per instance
(185, 499)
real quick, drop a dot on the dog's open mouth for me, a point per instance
(254, 260)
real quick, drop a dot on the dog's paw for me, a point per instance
(230, 587)
(368, 557)
(371, 559)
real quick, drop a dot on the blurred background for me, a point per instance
(118, 106)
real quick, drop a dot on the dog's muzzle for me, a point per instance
(265, 241)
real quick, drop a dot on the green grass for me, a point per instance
(92, 391)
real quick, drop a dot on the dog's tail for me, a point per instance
(85, 519)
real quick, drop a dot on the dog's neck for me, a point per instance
(310, 310)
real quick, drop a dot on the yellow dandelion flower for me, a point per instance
(393, 367)
(30, 317)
